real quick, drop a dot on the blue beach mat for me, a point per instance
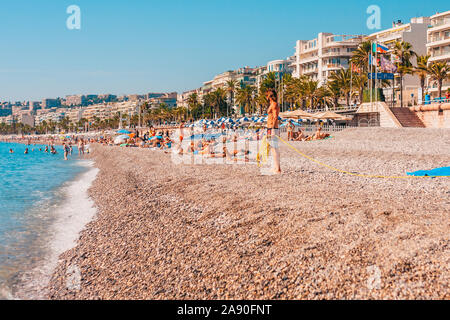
(439, 172)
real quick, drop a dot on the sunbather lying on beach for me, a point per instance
(299, 136)
(319, 135)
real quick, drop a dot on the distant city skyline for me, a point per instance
(153, 46)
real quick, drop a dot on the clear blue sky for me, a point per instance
(172, 45)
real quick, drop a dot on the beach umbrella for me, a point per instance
(123, 131)
(121, 139)
(328, 115)
(297, 114)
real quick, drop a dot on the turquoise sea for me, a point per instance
(34, 188)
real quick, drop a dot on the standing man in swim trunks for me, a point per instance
(272, 128)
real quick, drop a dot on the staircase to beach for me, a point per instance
(407, 118)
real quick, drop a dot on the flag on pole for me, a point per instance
(374, 61)
(379, 48)
(387, 65)
(355, 69)
(395, 59)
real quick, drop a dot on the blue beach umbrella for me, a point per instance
(123, 131)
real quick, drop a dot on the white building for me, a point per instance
(321, 56)
(415, 33)
(438, 46)
(182, 98)
(26, 118)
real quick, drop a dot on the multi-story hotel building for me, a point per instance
(74, 114)
(415, 33)
(243, 76)
(75, 100)
(321, 56)
(182, 98)
(438, 46)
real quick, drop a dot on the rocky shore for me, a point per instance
(173, 231)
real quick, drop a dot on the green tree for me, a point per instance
(360, 57)
(231, 86)
(312, 93)
(439, 71)
(422, 71)
(342, 79)
(245, 97)
(403, 51)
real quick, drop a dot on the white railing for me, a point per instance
(325, 128)
(334, 109)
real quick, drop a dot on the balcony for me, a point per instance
(309, 71)
(335, 66)
(438, 41)
(440, 56)
(342, 39)
(308, 59)
(445, 86)
(439, 25)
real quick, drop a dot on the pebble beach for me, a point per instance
(175, 231)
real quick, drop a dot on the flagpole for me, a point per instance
(351, 81)
(376, 71)
(370, 73)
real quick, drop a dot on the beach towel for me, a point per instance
(439, 172)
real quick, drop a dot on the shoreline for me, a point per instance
(70, 215)
(167, 231)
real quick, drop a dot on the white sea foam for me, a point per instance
(71, 216)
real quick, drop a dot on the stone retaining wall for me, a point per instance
(434, 116)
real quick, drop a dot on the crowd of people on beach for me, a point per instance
(216, 140)
(47, 144)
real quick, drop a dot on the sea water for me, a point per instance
(43, 206)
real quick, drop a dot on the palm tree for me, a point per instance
(231, 87)
(422, 71)
(343, 81)
(439, 71)
(296, 90)
(193, 104)
(312, 92)
(293, 91)
(361, 55)
(359, 82)
(403, 51)
(218, 101)
(244, 97)
(269, 82)
(334, 92)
